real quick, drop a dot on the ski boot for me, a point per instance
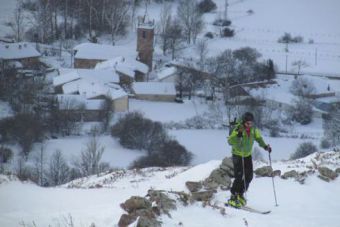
(234, 202)
(241, 199)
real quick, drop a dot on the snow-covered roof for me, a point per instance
(101, 75)
(280, 91)
(10, 51)
(102, 52)
(72, 102)
(66, 78)
(93, 89)
(166, 72)
(154, 88)
(125, 65)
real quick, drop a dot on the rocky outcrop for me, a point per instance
(194, 186)
(202, 196)
(145, 211)
(220, 177)
(327, 174)
(290, 174)
(337, 171)
(265, 171)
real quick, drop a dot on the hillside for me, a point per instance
(96, 199)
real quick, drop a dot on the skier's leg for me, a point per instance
(248, 163)
(238, 185)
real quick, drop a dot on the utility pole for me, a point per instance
(226, 10)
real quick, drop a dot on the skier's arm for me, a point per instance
(259, 139)
(235, 137)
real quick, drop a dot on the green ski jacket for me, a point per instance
(243, 146)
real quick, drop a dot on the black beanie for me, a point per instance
(247, 116)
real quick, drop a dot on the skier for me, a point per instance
(242, 139)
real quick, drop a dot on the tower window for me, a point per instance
(144, 34)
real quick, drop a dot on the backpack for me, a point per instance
(232, 126)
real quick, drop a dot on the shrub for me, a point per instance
(221, 22)
(206, 6)
(325, 144)
(287, 38)
(5, 154)
(304, 150)
(136, 132)
(209, 35)
(302, 111)
(170, 154)
(274, 128)
(227, 32)
(24, 129)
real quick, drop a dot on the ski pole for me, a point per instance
(244, 178)
(270, 163)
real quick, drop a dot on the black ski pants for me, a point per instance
(240, 185)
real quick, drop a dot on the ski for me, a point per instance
(250, 209)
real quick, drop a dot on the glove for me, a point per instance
(268, 148)
(240, 133)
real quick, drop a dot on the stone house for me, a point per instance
(22, 54)
(154, 91)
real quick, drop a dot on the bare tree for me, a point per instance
(164, 25)
(106, 112)
(202, 51)
(117, 16)
(91, 156)
(331, 125)
(190, 18)
(299, 65)
(302, 87)
(58, 170)
(40, 165)
(17, 23)
(174, 33)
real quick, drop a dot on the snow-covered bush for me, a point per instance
(302, 111)
(136, 132)
(274, 127)
(171, 153)
(5, 154)
(227, 32)
(287, 38)
(206, 6)
(302, 87)
(221, 22)
(304, 150)
(209, 35)
(24, 129)
(331, 125)
(58, 171)
(325, 144)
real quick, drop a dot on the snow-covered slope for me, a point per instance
(96, 199)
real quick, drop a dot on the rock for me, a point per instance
(148, 222)
(265, 171)
(227, 163)
(290, 174)
(135, 203)
(337, 171)
(202, 196)
(164, 203)
(276, 173)
(194, 186)
(219, 177)
(126, 219)
(324, 178)
(326, 172)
